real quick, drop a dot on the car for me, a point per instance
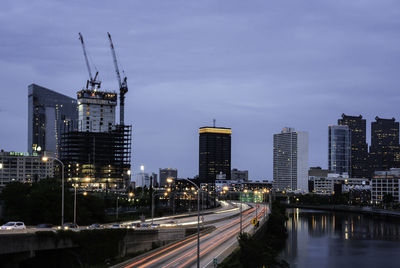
(116, 226)
(131, 226)
(44, 225)
(13, 225)
(68, 226)
(155, 225)
(96, 226)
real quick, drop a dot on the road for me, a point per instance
(212, 245)
(181, 220)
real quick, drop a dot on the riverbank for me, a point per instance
(371, 211)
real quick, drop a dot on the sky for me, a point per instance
(255, 66)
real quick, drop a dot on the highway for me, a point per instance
(181, 220)
(184, 253)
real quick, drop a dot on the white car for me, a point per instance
(13, 225)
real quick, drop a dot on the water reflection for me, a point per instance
(333, 239)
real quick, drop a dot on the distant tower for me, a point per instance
(214, 153)
(359, 146)
(50, 114)
(384, 150)
(339, 155)
(291, 160)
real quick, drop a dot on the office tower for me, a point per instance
(142, 180)
(23, 167)
(166, 173)
(291, 160)
(98, 155)
(359, 146)
(339, 153)
(49, 115)
(384, 149)
(96, 110)
(214, 153)
(239, 175)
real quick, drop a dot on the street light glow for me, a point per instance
(142, 168)
(45, 158)
(170, 180)
(1, 165)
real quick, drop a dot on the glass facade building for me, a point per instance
(339, 150)
(214, 153)
(50, 114)
(359, 146)
(384, 150)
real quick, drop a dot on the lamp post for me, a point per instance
(169, 180)
(75, 203)
(45, 159)
(152, 204)
(2, 180)
(116, 209)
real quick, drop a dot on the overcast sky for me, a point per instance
(255, 66)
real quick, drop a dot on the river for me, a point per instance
(336, 239)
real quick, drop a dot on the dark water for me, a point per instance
(335, 239)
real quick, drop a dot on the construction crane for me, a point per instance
(123, 84)
(92, 80)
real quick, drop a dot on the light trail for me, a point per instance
(177, 244)
(207, 243)
(222, 228)
(224, 238)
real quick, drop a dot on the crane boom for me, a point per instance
(86, 57)
(92, 81)
(123, 84)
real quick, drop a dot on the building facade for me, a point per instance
(290, 156)
(50, 114)
(326, 185)
(239, 175)
(23, 167)
(96, 110)
(214, 153)
(384, 149)
(385, 183)
(166, 173)
(359, 146)
(339, 153)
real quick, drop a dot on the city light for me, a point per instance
(45, 158)
(170, 180)
(142, 168)
(131, 194)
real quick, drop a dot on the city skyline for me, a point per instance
(267, 67)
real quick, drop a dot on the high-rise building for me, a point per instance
(98, 155)
(96, 110)
(166, 173)
(359, 146)
(291, 160)
(339, 153)
(384, 149)
(50, 114)
(214, 153)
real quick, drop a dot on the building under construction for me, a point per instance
(98, 160)
(98, 155)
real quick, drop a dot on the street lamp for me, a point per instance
(75, 185)
(152, 204)
(169, 180)
(1, 167)
(45, 159)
